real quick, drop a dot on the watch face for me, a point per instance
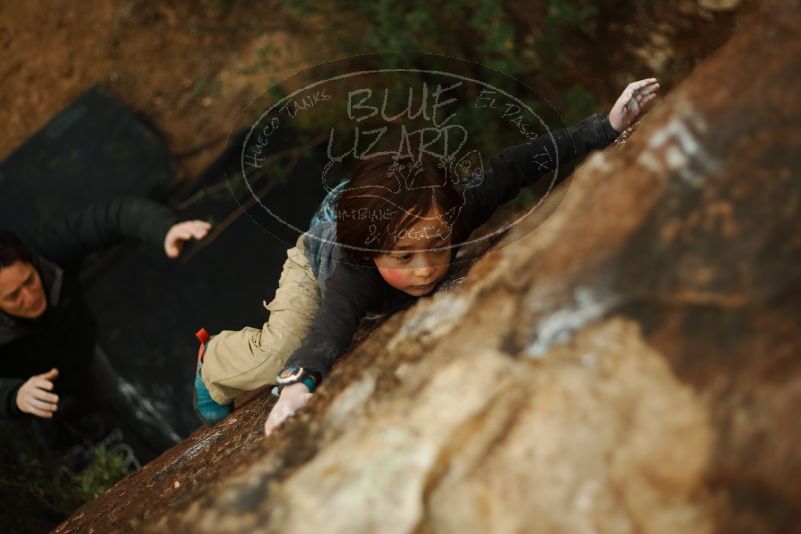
(285, 373)
(289, 374)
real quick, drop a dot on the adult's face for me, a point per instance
(21, 291)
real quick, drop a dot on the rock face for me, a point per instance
(633, 364)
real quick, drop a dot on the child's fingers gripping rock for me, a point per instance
(292, 398)
(632, 103)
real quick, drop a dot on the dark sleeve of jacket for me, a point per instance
(8, 397)
(521, 165)
(67, 241)
(351, 292)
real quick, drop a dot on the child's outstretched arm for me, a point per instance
(351, 291)
(521, 165)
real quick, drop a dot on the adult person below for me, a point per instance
(50, 367)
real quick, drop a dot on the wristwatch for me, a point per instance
(291, 375)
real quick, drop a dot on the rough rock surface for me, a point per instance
(630, 365)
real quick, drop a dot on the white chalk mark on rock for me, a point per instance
(433, 322)
(559, 326)
(676, 148)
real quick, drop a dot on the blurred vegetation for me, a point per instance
(37, 492)
(517, 47)
(481, 31)
(488, 32)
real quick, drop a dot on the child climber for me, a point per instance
(376, 245)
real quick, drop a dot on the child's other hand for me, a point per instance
(292, 398)
(631, 103)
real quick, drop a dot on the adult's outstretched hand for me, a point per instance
(182, 232)
(34, 395)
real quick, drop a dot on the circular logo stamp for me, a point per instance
(379, 160)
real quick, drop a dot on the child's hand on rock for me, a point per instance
(631, 103)
(292, 398)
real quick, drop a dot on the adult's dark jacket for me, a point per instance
(64, 337)
(353, 290)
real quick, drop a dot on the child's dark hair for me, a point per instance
(387, 195)
(12, 249)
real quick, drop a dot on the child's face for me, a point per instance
(410, 267)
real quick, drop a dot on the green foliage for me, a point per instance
(483, 32)
(570, 12)
(479, 31)
(103, 472)
(562, 17)
(36, 491)
(577, 103)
